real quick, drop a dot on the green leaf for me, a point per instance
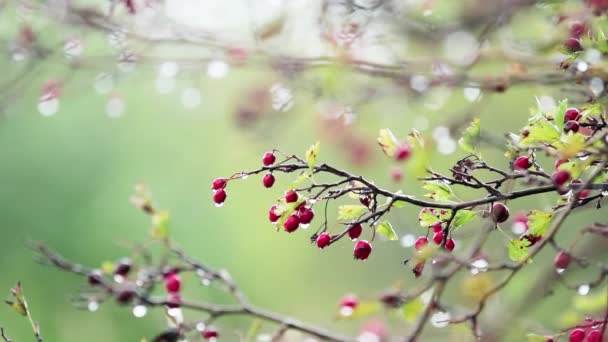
(286, 209)
(387, 142)
(418, 163)
(301, 178)
(311, 156)
(107, 267)
(541, 131)
(462, 217)
(438, 190)
(350, 212)
(572, 167)
(386, 230)
(160, 225)
(560, 113)
(412, 309)
(19, 305)
(518, 249)
(471, 137)
(594, 109)
(538, 222)
(428, 217)
(571, 144)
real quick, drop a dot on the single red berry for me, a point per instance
(577, 29)
(95, 277)
(209, 334)
(268, 180)
(272, 215)
(562, 260)
(291, 196)
(173, 300)
(521, 163)
(365, 200)
(437, 227)
(292, 223)
(438, 237)
(577, 335)
(559, 162)
(560, 178)
(572, 114)
(396, 174)
(402, 152)
(583, 193)
(594, 336)
(219, 196)
(500, 213)
(173, 283)
(571, 126)
(362, 250)
(323, 240)
(268, 158)
(450, 244)
(123, 267)
(421, 242)
(219, 183)
(355, 231)
(573, 45)
(306, 215)
(125, 296)
(349, 301)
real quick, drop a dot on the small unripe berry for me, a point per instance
(172, 283)
(268, 158)
(521, 163)
(291, 196)
(362, 250)
(421, 242)
(123, 267)
(583, 193)
(323, 240)
(450, 244)
(306, 215)
(268, 180)
(562, 260)
(349, 301)
(209, 334)
(577, 335)
(95, 277)
(438, 237)
(355, 231)
(500, 213)
(174, 300)
(365, 200)
(272, 215)
(292, 223)
(402, 152)
(560, 178)
(571, 126)
(572, 114)
(219, 183)
(219, 196)
(594, 336)
(125, 296)
(573, 45)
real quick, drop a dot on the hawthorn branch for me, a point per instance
(4, 336)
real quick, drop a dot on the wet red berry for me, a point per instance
(571, 126)
(402, 152)
(268, 180)
(594, 336)
(438, 237)
(268, 158)
(421, 242)
(355, 231)
(209, 334)
(123, 267)
(323, 240)
(272, 215)
(219, 196)
(172, 283)
(306, 215)
(521, 163)
(573, 45)
(572, 114)
(577, 335)
(362, 250)
(560, 178)
(500, 213)
(291, 196)
(349, 301)
(292, 223)
(219, 183)
(174, 300)
(450, 244)
(95, 277)
(562, 260)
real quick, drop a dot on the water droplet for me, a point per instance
(480, 265)
(118, 278)
(440, 319)
(244, 176)
(560, 270)
(93, 306)
(219, 205)
(471, 94)
(304, 225)
(206, 282)
(200, 326)
(164, 85)
(217, 69)
(281, 97)
(72, 48)
(264, 337)
(168, 69)
(191, 98)
(346, 311)
(584, 289)
(115, 107)
(461, 47)
(368, 336)
(103, 83)
(582, 66)
(140, 311)
(419, 83)
(518, 228)
(48, 105)
(408, 240)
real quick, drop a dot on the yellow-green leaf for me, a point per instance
(385, 229)
(470, 138)
(311, 156)
(518, 249)
(350, 211)
(570, 145)
(301, 178)
(462, 217)
(160, 225)
(560, 113)
(412, 309)
(538, 222)
(438, 190)
(428, 217)
(107, 267)
(541, 131)
(387, 142)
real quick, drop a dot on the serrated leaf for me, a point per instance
(570, 145)
(412, 309)
(387, 142)
(594, 109)
(311, 156)
(428, 217)
(541, 131)
(560, 113)
(538, 222)
(470, 138)
(518, 249)
(386, 230)
(438, 190)
(462, 217)
(350, 211)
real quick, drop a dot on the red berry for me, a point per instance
(272, 215)
(438, 237)
(365, 200)
(577, 29)
(323, 240)
(421, 242)
(500, 213)
(521, 163)
(355, 231)
(268, 180)
(125, 296)
(219, 196)
(209, 334)
(349, 301)
(362, 250)
(437, 227)
(306, 215)
(268, 158)
(584, 193)
(560, 178)
(402, 152)
(573, 45)
(172, 283)
(450, 244)
(95, 277)
(219, 183)
(291, 196)
(572, 114)
(174, 300)
(594, 336)
(559, 162)
(577, 335)
(396, 174)
(123, 267)
(562, 260)
(571, 126)
(292, 223)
